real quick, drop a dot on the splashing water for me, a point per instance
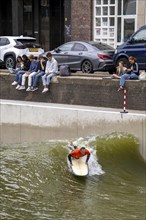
(94, 167)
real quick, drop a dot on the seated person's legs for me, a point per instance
(36, 79)
(133, 76)
(122, 81)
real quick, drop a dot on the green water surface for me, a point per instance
(36, 184)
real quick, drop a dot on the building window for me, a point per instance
(104, 21)
(98, 11)
(129, 7)
(127, 18)
(105, 2)
(112, 2)
(129, 26)
(98, 2)
(114, 21)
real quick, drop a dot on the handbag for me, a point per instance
(142, 75)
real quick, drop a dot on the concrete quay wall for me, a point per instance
(88, 90)
(33, 121)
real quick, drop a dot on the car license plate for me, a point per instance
(33, 49)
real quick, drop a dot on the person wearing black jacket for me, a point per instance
(26, 62)
(132, 72)
(24, 68)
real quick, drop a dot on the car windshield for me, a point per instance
(140, 36)
(102, 46)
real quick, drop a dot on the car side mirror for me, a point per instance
(131, 40)
(57, 50)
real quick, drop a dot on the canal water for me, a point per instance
(36, 183)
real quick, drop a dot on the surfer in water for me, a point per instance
(77, 153)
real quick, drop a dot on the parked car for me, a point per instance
(134, 46)
(11, 47)
(85, 56)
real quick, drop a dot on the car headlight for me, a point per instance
(115, 51)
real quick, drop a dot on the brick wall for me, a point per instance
(89, 91)
(81, 19)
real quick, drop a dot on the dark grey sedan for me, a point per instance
(85, 56)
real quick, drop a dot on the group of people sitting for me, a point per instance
(124, 73)
(29, 67)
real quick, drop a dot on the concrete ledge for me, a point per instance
(81, 90)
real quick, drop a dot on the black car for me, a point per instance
(135, 46)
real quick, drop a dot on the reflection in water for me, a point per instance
(36, 182)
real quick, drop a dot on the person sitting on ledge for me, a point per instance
(120, 70)
(50, 71)
(132, 72)
(34, 66)
(39, 74)
(19, 66)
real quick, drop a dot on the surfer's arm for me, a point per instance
(74, 146)
(69, 158)
(88, 156)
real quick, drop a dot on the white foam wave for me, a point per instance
(94, 167)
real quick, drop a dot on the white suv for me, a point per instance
(11, 47)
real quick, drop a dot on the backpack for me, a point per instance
(64, 70)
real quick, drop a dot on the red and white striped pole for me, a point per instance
(124, 107)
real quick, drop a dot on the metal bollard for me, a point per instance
(124, 106)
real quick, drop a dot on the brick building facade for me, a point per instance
(81, 19)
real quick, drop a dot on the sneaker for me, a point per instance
(18, 86)
(29, 89)
(120, 88)
(34, 89)
(14, 83)
(21, 88)
(45, 90)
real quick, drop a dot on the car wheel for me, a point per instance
(87, 67)
(125, 60)
(10, 62)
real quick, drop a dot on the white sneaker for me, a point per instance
(29, 89)
(18, 86)
(34, 89)
(21, 88)
(45, 90)
(14, 83)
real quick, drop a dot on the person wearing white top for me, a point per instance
(50, 71)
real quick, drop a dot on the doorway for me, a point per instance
(51, 23)
(56, 23)
(6, 17)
